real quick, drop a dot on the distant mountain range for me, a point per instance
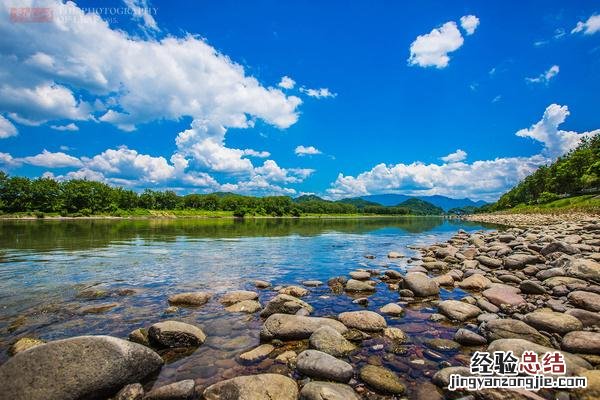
(419, 204)
(445, 203)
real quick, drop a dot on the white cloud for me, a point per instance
(42, 103)
(589, 27)
(52, 160)
(205, 145)
(431, 49)
(287, 83)
(321, 93)
(272, 172)
(556, 142)
(127, 163)
(497, 99)
(136, 80)
(483, 179)
(7, 160)
(7, 129)
(254, 153)
(306, 150)
(142, 12)
(469, 23)
(69, 127)
(458, 155)
(545, 76)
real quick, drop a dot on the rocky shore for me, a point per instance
(532, 287)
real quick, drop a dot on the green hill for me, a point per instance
(420, 207)
(575, 173)
(359, 203)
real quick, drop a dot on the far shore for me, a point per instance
(9, 217)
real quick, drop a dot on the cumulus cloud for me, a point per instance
(545, 76)
(254, 153)
(52, 160)
(69, 127)
(7, 129)
(556, 141)
(306, 150)
(458, 155)
(47, 67)
(287, 83)
(431, 49)
(321, 93)
(589, 27)
(142, 12)
(482, 179)
(469, 23)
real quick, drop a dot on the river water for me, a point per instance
(137, 264)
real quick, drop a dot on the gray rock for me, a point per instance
(295, 291)
(317, 364)
(550, 273)
(395, 334)
(475, 282)
(575, 364)
(489, 262)
(327, 391)
(588, 270)
(175, 334)
(236, 296)
(392, 309)
(330, 341)
(354, 285)
(182, 390)
(550, 321)
(285, 304)
(581, 342)
(258, 353)
(442, 377)
(588, 318)
(367, 321)
(458, 310)
(421, 285)
(254, 387)
(193, 299)
(586, 300)
(134, 391)
(244, 306)
(261, 284)
(84, 367)
(520, 260)
(295, 327)
(512, 329)
(469, 338)
(503, 294)
(531, 287)
(382, 379)
(140, 336)
(360, 275)
(559, 246)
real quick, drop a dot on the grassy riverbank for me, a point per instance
(580, 204)
(150, 214)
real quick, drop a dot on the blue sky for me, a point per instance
(460, 99)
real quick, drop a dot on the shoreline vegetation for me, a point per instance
(21, 197)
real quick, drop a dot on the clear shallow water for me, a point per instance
(45, 264)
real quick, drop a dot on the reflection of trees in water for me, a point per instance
(84, 234)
